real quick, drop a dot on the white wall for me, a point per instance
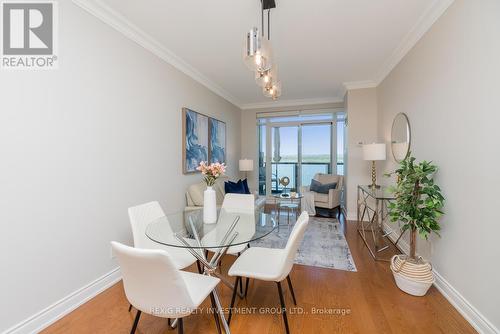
(448, 86)
(78, 146)
(361, 108)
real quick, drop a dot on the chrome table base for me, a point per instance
(210, 267)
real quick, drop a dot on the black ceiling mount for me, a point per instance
(268, 4)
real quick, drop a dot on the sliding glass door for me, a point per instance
(316, 151)
(284, 157)
(298, 147)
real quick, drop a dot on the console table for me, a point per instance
(372, 213)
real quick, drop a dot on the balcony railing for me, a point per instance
(290, 169)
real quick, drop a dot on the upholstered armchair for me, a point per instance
(332, 199)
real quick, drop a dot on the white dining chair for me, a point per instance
(238, 203)
(140, 216)
(155, 286)
(270, 264)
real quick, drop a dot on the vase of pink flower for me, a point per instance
(211, 173)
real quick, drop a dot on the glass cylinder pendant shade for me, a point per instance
(273, 90)
(264, 78)
(257, 51)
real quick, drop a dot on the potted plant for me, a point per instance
(211, 173)
(418, 206)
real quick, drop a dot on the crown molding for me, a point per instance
(291, 103)
(424, 23)
(129, 30)
(359, 84)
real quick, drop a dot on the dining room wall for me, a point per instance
(79, 145)
(448, 86)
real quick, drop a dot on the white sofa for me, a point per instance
(194, 195)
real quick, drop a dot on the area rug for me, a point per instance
(324, 244)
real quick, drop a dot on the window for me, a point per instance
(301, 145)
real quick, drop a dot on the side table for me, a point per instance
(292, 204)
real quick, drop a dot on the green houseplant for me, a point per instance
(418, 206)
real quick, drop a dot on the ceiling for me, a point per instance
(319, 45)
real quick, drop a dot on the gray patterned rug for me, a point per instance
(324, 244)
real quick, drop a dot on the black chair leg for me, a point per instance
(246, 286)
(283, 307)
(180, 326)
(136, 321)
(130, 308)
(241, 286)
(199, 267)
(235, 289)
(216, 313)
(291, 289)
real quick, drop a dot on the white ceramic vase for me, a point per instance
(209, 206)
(413, 278)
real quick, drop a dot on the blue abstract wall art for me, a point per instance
(195, 139)
(217, 130)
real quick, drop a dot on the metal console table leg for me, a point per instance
(371, 219)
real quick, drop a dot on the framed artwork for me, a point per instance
(195, 138)
(217, 141)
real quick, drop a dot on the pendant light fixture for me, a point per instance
(273, 90)
(263, 78)
(258, 55)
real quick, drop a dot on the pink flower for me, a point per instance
(212, 171)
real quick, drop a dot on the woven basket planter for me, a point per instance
(413, 278)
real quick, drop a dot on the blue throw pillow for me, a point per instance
(321, 188)
(234, 187)
(245, 185)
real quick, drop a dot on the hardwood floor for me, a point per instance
(366, 301)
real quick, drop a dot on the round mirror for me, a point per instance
(400, 137)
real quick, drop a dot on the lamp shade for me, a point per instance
(374, 152)
(246, 165)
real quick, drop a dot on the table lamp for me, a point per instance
(246, 165)
(374, 152)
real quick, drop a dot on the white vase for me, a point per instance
(209, 206)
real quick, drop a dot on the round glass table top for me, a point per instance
(187, 230)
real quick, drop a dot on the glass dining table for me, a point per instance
(187, 230)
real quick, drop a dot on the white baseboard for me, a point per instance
(59, 309)
(469, 312)
(352, 216)
(462, 305)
